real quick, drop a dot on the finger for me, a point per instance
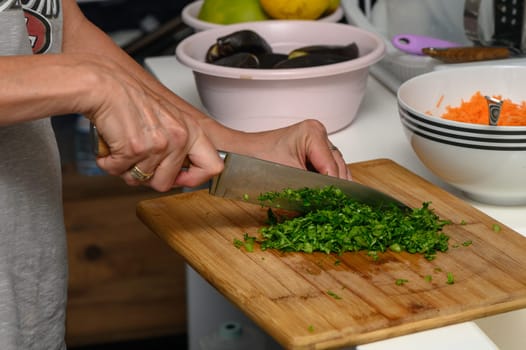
(180, 169)
(143, 170)
(136, 174)
(343, 169)
(203, 167)
(333, 168)
(327, 159)
(323, 161)
(140, 176)
(180, 136)
(167, 171)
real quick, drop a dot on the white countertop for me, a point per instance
(377, 133)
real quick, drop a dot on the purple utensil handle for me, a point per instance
(413, 44)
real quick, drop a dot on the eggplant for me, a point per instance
(348, 51)
(310, 60)
(239, 41)
(268, 61)
(239, 60)
(247, 49)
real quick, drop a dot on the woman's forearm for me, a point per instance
(46, 85)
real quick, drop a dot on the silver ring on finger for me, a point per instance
(140, 175)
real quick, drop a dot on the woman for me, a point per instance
(53, 61)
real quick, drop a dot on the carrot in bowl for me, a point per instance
(476, 111)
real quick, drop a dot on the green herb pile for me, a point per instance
(332, 223)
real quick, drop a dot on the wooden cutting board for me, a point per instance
(319, 301)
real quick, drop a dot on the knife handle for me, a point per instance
(468, 54)
(99, 147)
(413, 43)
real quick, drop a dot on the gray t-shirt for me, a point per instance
(33, 259)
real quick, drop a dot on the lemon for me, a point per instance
(231, 11)
(295, 9)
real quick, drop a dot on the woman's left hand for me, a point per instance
(303, 145)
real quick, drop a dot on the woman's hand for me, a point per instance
(303, 145)
(306, 145)
(146, 134)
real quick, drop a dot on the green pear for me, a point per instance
(231, 11)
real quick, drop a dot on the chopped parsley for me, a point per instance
(247, 243)
(401, 281)
(238, 243)
(331, 222)
(334, 295)
(450, 278)
(428, 278)
(496, 228)
(373, 254)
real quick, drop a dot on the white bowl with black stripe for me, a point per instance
(487, 163)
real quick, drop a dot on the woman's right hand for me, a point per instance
(144, 130)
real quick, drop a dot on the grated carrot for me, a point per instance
(476, 111)
(440, 101)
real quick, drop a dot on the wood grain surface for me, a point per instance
(320, 301)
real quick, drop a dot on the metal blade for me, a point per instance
(246, 178)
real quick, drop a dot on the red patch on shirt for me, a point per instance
(39, 30)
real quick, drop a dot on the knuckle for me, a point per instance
(217, 168)
(313, 124)
(159, 143)
(178, 135)
(137, 147)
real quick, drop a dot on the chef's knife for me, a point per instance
(245, 178)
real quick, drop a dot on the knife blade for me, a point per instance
(245, 178)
